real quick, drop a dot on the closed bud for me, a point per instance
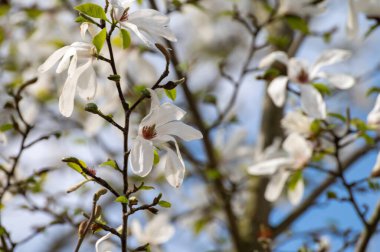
(82, 228)
(153, 210)
(133, 201)
(157, 199)
(92, 108)
(114, 77)
(99, 193)
(98, 211)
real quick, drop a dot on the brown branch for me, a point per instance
(369, 230)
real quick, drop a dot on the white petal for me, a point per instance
(179, 129)
(277, 90)
(373, 117)
(174, 169)
(276, 184)
(154, 101)
(102, 239)
(268, 60)
(137, 232)
(136, 30)
(352, 25)
(66, 61)
(87, 82)
(66, 99)
(165, 113)
(298, 148)
(153, 23)
(295, 196)
(341, 81)
(50, 62)
(141, 157)
(159, 230)
(328, 58)
(269, 167)
(312, 102)
(83, 30)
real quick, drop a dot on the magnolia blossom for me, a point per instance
(297, 122)
(157, 129)
(81, 76)
(144, 23)
(156, 232)
(299, 152)
(301, 7)
(373, 118)
(301, 73)
(371, 8)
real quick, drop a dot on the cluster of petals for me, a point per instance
(145, 23)
(156, 130)
(298, 153)
(299, 72)
(78, 59)
(301, 7)
(158, 231)
(371, 8)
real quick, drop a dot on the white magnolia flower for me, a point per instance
(156, 232)
(300, 73)
(297, 122)
(77, 58)
(373, 118)
(155, 130)
(371, 8)
(145, 23)
(301, 7)
(299, 152)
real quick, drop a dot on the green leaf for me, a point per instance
(373, 90)
(99, 39)
(338, 116)
(6, 127)
(126, 36)
(110, 163)
(371, 29)
(322, 88)
(147, 188)
(199, 225)
(171, 94)
(92, 10)
(297, 23)
(81, 19)
(315, 126)
(331, 195)
(4, 9)
(122, 199)
(156, 159)
(213, 174)
(164, 204)
(75, 164)
(210, 99)
(294, 178)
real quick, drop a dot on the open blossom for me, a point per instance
(156, 130)
(371, 8)
(146, 23)
(373, 118)
(301, 7)
(156, 232)
(301, 73)
(77, 58)
(299, 152)
(297, 122)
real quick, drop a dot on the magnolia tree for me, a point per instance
(200, 125)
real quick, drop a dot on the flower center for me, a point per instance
(303, 77)
(149, 132)
(124, 16)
